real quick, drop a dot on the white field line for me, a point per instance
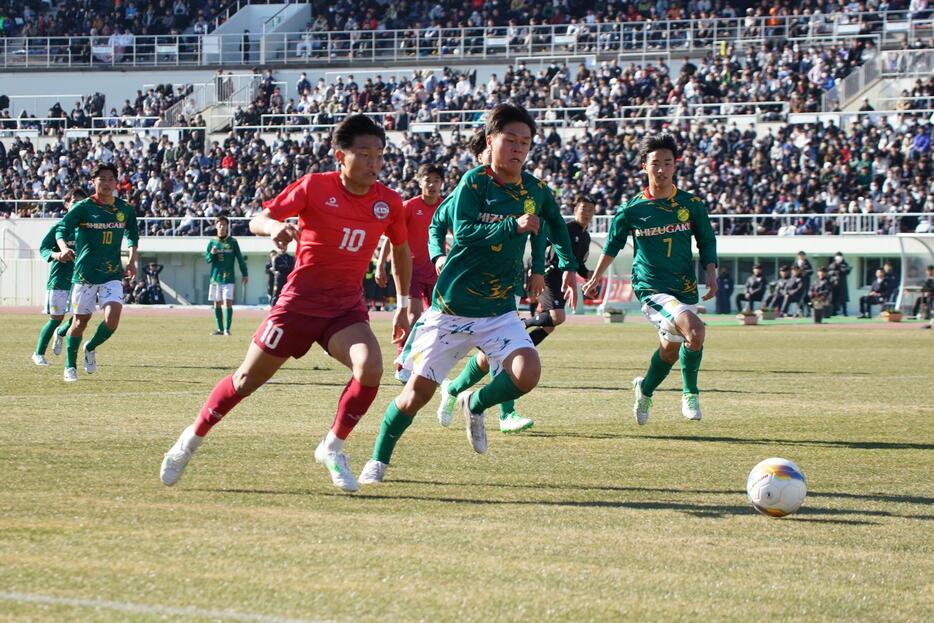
(122, 606)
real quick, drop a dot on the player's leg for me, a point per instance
(415, 311)
(56, 306)
(551, 310)
(228, 309)
(214, 296)
(83, 302)
(257, 367)
(692, 329)
(356, 347)
(660, 310)
(476, 368)
(60, 334)
(110, 300)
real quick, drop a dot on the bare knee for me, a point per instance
(668, 352)
(369, 372)
(415, 395)
(246, 383)
(525, 371)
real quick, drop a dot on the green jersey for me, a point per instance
(222, 262)
(662, 229)
(479, 277)
(60, 273)
(99, 231)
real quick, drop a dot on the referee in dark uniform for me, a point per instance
(551, 302)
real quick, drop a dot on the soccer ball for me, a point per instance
(776, 487)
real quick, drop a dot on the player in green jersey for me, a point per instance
(58, 288)
(662, 221)
(100, 223)
(221, 254)
(494, 209)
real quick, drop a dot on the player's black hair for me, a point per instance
(77, 193)
(427, 169)
(583, 198)
(504, 114)
(654, 142)
(103, 166)
(477, 143)
(222, 217)
(357, 125)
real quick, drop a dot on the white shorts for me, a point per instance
(218, 292)
(439, 341)
(86, 296)
(662, 310)
(57, 302)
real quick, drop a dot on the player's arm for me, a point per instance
(210, 254)
(241, 262)
(48, 248)
(271, 221)
(619, 233)
(438, 233)
(131, 233)
(557, 231)
(470, 231)
(382, 256)
(281, 233)
(706, 245)
(68, 223)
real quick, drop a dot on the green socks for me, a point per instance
(394, 424)
(229, 314)
(505, 408)
(502, 389)
(690, 365)
(658, 370)
(62, 330)
(71, 351)
(469, 376)
(100, 336)
(219, 318)
(46, 334)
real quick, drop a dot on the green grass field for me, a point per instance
(585, 518)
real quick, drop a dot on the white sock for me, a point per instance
(191, 441)
(333, 443)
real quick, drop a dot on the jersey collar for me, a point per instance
(647, 195)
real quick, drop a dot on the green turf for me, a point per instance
(585, 518)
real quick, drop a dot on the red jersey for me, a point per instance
(418, 216)
(339, 232)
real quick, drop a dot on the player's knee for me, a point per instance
(245, 383)
(415, 395)
(695, 333)
(369, 372)
(557, 318)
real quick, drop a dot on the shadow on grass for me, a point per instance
(855, 445)
(572, 435)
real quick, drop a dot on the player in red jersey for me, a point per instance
(341, 215)
(418, 214)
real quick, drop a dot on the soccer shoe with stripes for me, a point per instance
(39, 360)
(336, 464)
(446, 408)
(174, 462)
(690, 406)
(643, 403)
(513, 423)
(57, 344)
(373, 472)
(71, 375)
(476, 428)
(90, 360)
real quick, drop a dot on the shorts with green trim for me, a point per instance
(662, 310)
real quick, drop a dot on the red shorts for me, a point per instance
(286, 333)
(423, 282)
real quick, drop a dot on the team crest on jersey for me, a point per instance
(529, 206)
(120, 217)
(381, 210)
(683, 214)
(496, 248)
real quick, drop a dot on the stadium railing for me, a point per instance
(467, 43)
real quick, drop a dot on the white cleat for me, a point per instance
(402, 375)
(373, 472)
(476, 429)
(90, 360)
(690, 406)
(643, 403)
(71, 375)
(173, 465)
(57, 344)
(336, 464)
(446, 408)
(39, 360)
(514, 423)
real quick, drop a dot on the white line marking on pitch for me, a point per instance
(146, 609)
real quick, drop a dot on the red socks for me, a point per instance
(353, 405)
(221, 401)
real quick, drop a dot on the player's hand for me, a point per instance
(711, 285)
(439, 263)
(131, 270)
(536, 286)
(66, 256)
(591, 287)
(380, 277)
(400, 325)
(244, 280)
(527, 223)
(214, 251)
(282, 234)
(569, 287)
